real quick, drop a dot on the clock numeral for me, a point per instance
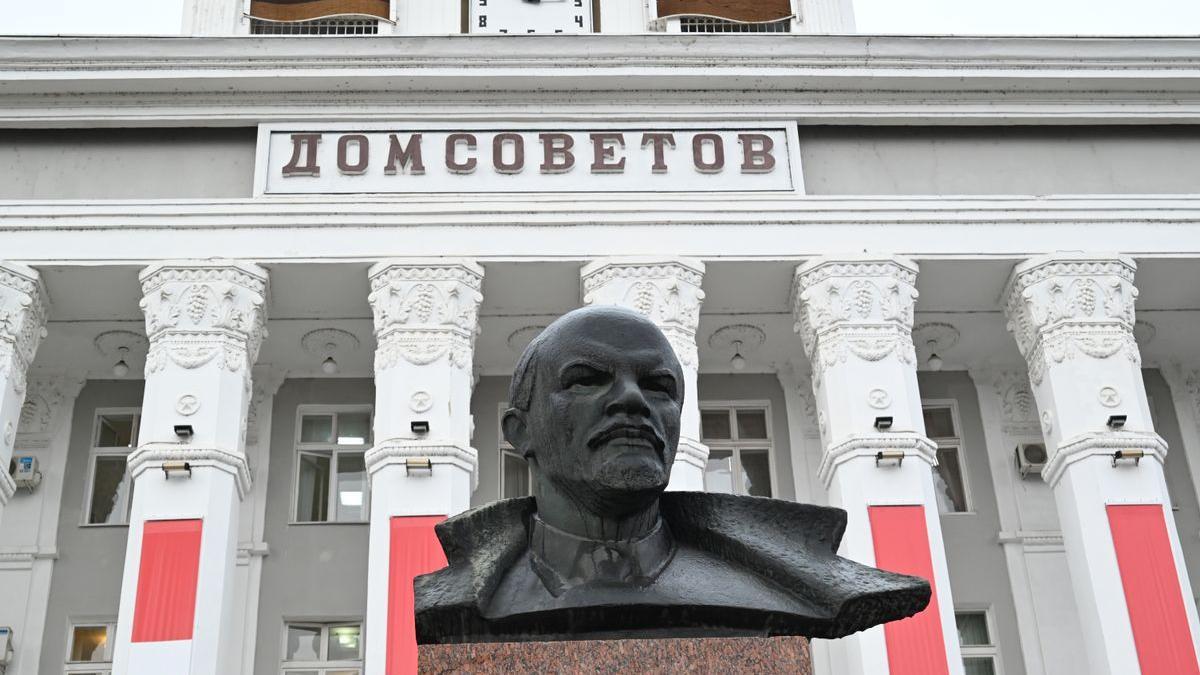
(483, 21)
(503, 30)
(578, 3)
(483, 3)
(579, 20)
(529, 30)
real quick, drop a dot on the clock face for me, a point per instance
(530, 16)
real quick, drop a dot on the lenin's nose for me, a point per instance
(627, 398)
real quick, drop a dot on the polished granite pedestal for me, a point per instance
(680, 655)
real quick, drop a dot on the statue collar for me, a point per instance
(563, 560)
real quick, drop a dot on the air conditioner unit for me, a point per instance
(1031, 457)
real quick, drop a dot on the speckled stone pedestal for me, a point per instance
(686, 655)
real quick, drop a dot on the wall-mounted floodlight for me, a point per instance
(184, 431)
(883, 423)
(173, 467)
(1116, 422)
(420, 426)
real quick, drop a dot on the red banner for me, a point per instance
(165, 608)
(1160, 625)
(415, 550)
(916, 645)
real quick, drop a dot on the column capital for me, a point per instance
(858, 305)
(1063, 306)
(48, 395)
(425, 309)
(24, 307)
(1018, 405)
(199, 309)
(665, 290)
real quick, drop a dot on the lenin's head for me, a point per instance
(595, 403)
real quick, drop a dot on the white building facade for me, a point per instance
(263, 286)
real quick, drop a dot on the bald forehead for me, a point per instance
(606, 334)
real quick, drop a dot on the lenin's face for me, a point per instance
(603, 418)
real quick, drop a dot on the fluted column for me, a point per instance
(23, 309)
(1072, 316)
(667, 291)
(422, 466)
(855, 317)
(205, 321)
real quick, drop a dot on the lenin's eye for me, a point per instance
(663, 383)
(581, 376)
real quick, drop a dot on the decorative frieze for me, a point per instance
(23, 310)
(425, 311)
(861, 309)
(203, 312)
(1063, 308)
(665, 291)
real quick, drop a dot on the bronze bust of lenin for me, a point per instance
(602, 551)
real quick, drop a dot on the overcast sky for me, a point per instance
(963, 17)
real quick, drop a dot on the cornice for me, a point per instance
(76, 81)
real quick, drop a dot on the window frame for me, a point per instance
(386, 26)
(506, 448)
(333, 450)
(322, 665)
(102, 667)
(736, 445)
(95, 451)
(956, 443)
(991, 650)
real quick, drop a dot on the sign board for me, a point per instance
(404, 159)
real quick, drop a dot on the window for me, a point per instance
(706, 24)
(317, 17)
(343, 25)
(331, 474)
(110, 488)
(89, 647)
(738, 437)
(975, 638)
(322, 648)
(949, 482)
(516, 478)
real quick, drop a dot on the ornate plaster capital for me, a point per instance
(1066, 306)
(152, 455)
(24, 307)
(1018, 406)
(199, 312)
(859, 307)
(49, 396)
(425, 309)
(665, 290)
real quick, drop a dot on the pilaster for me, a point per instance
(666, 291)
(803, 431)
(29, 535)
(1072, 316)
(205, 321)
(23, 310)
(422, 464)
(855, 318)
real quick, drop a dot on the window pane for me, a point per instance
(718, 474)
(714, 424)
(110, 491)
(312, 489)
(89, 643)
(979, 665)
(756, 473)
(303, 643)
(116, 431)
(752, 423)
(316, 429)
(354, 428)
(972, 629)
(516, 475)
(344, 643)
(939, 423)
(351, 487)
(948, 482)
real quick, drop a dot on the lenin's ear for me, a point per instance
(516, 431)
